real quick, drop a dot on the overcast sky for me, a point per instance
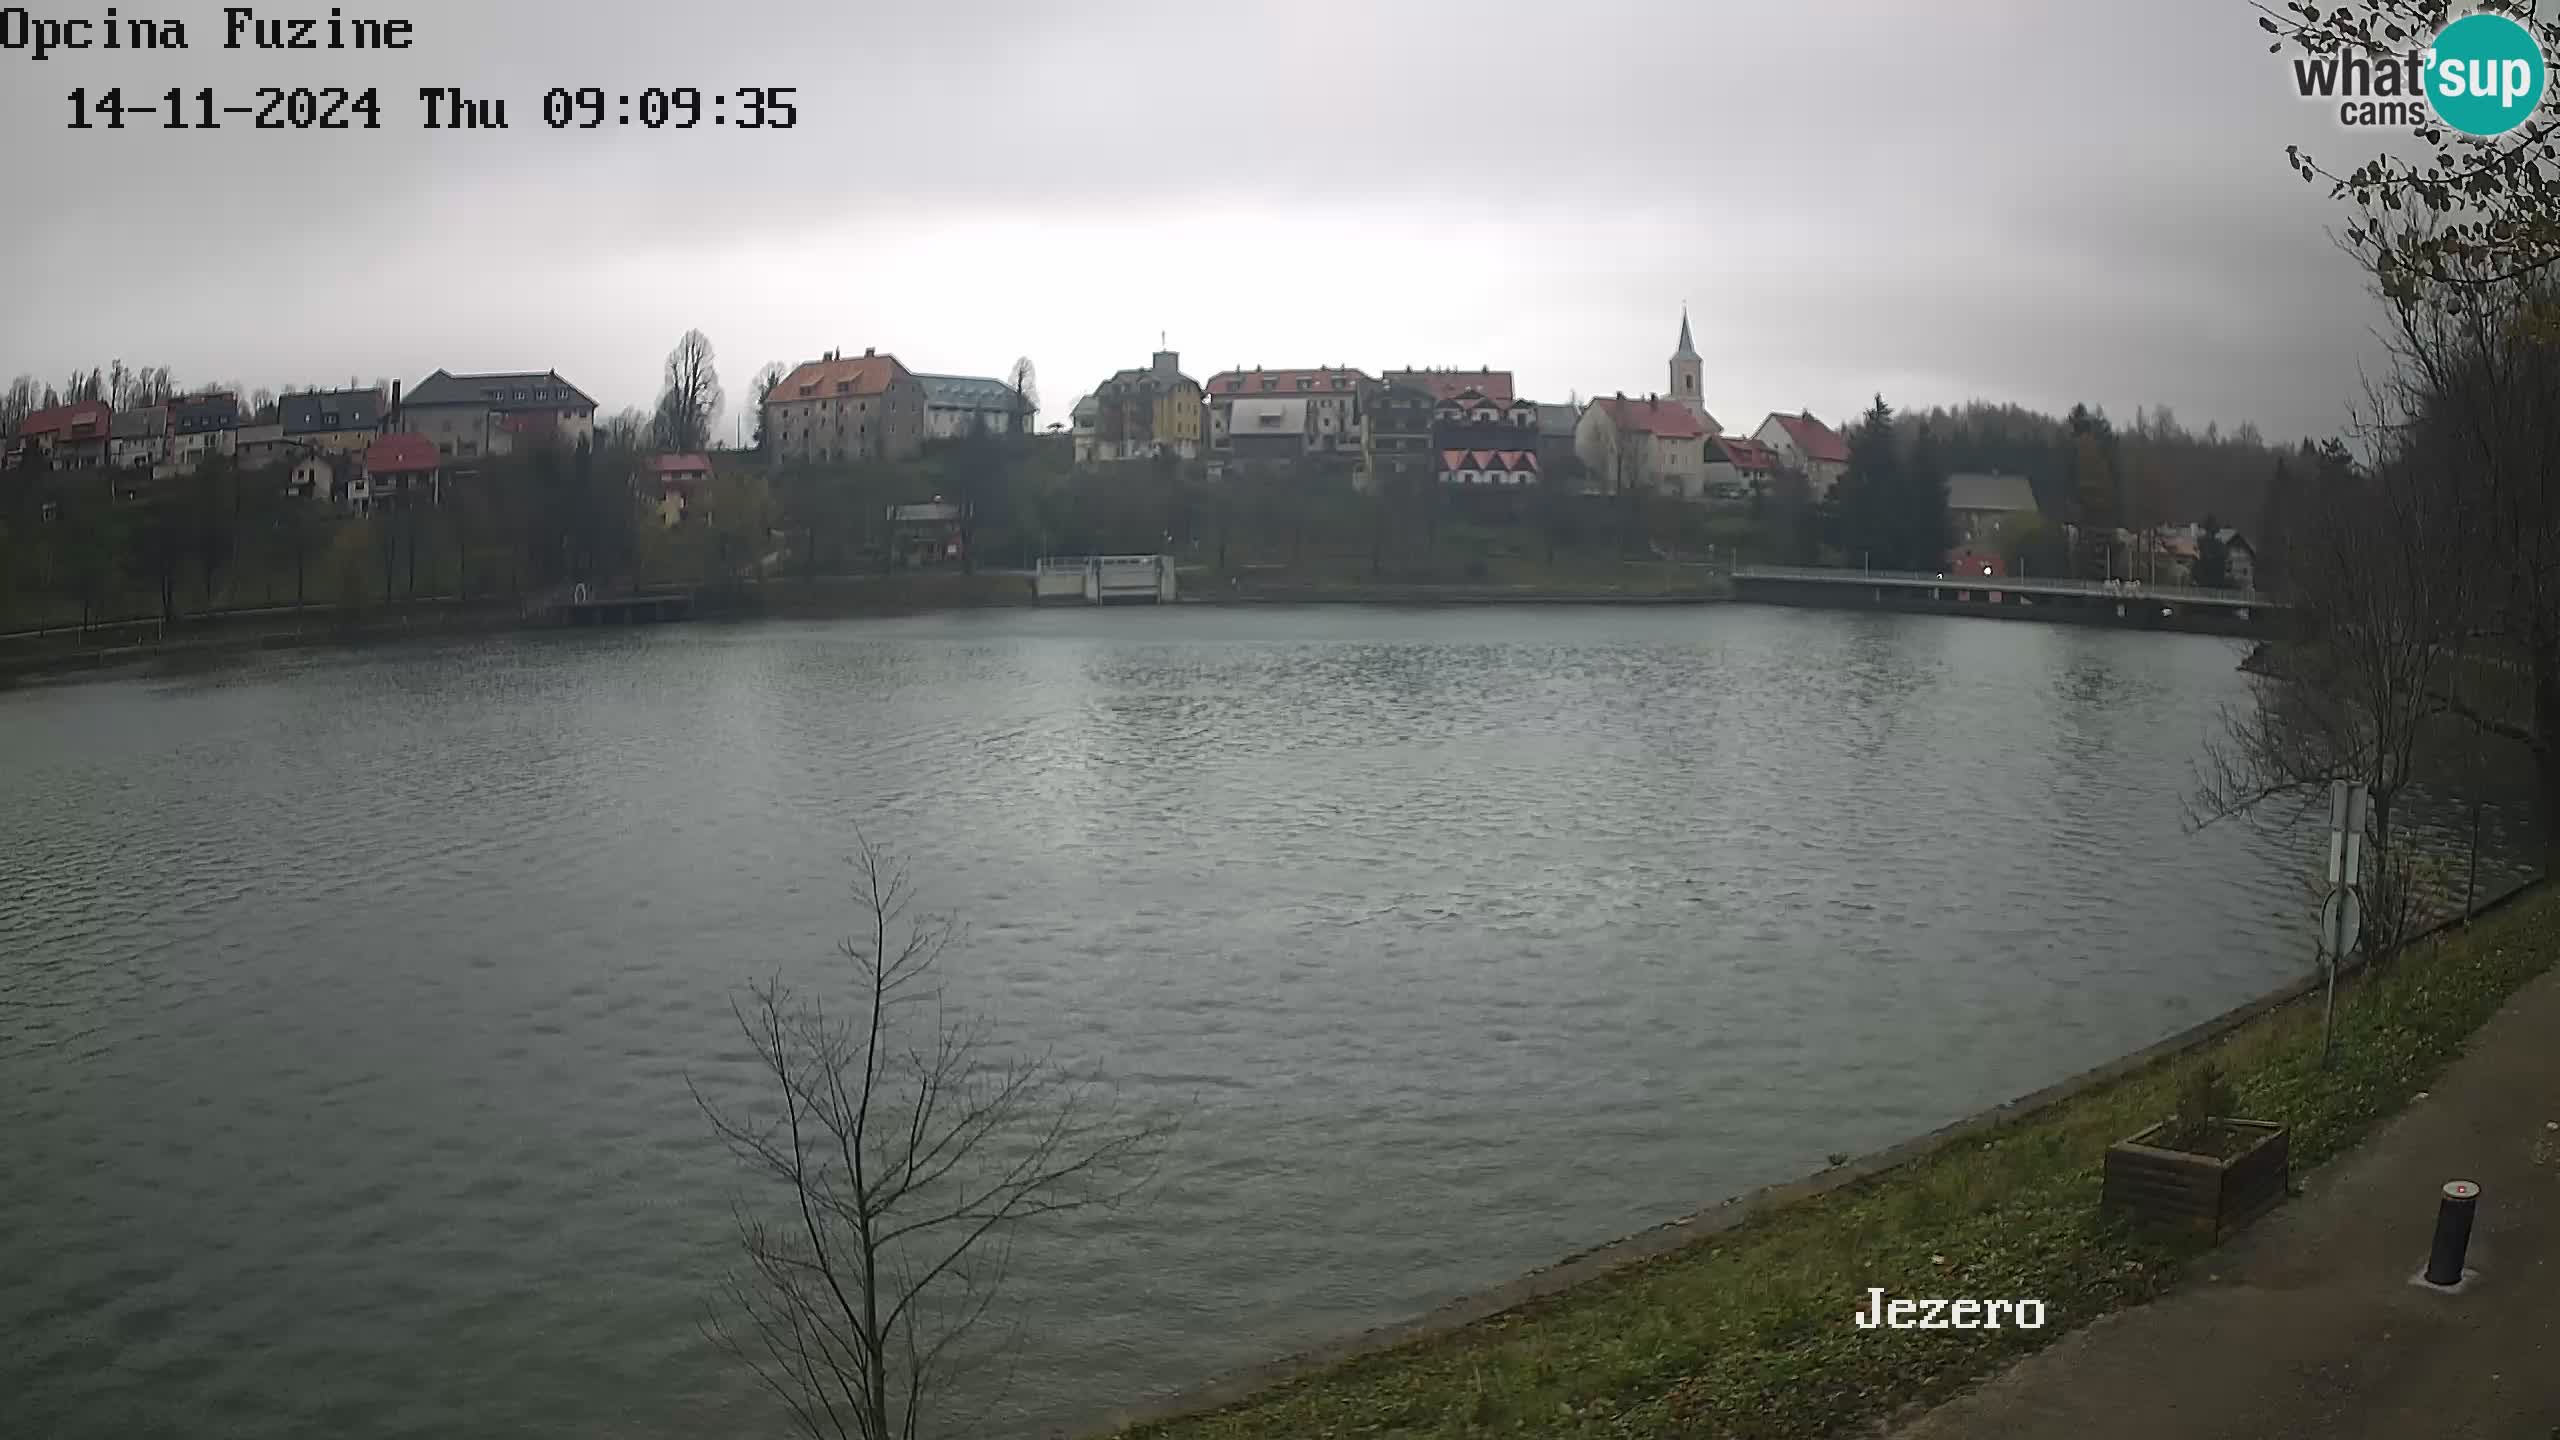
(2030, 200)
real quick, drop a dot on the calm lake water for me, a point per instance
(348, 1000)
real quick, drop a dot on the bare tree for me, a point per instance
(2354, 686)
(2481, 360)
(690, 404)
(899, 1155)
(761, 390)
(1025, 382)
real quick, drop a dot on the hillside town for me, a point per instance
(1464, 444)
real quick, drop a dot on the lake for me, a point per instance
(348, 1000)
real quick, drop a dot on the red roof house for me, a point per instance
(1817, 442)
(1495, 385)
(1664, 419)
(401, 455)
(1750, 457)
(73, 434)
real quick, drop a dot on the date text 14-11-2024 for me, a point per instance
(754, 107)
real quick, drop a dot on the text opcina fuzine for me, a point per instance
(242, 28)
(1878, 1313)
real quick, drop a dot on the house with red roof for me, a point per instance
(1484, 439)
(1654, 444)
(1806, 444)
(676, 485)
(1443, 384)
(1332, 395)
(398, 469)
(66, 437)
(1739, 468)
(846, 407)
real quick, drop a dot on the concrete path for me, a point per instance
(2307, 1323)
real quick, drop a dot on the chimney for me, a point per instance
(394, 419)
(868, 352)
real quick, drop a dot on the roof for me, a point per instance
(512, 391)
(1819, 442)
(1088, 408)
(1145, 376)
(141, 423)
(1744, 454)
(1488, 459)
(1469, 397)
(1445, 383)
(1268, 415)
(2010, 493)
(678, 464)
(1668, 419)
(842, 375)
(969, 392)
(1558, 420)
(322, 410)
(1259, 381)
(2233, 539)
(92, 415)
(195, 414)
(399, 454)
(938, 513)
(1686, 351)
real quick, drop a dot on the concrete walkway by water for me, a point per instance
(2307, 1324)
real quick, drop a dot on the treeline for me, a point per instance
(2160, 472)
(126, 387)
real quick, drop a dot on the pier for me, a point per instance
(1105, 580)
(2124, 603)
(645, 608)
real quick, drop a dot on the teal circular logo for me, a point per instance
(2485, 74)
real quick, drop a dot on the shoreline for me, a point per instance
(58, 652)
(1234, 1392)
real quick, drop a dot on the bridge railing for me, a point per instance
(2023, 583)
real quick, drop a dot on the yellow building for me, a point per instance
(1141, 413)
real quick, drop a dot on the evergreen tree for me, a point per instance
(2275, 520)
(1924, 527)
(1864, 498)
(2213, 558)
(2093, 494)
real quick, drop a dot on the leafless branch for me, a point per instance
(902, 1154)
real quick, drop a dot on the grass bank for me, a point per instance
(1748, 1333)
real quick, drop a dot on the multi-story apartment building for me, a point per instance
(335, 422)
(470, 416)
(1139, 414)
(839, 407)
(957, 405)
(201, 425)
(1332, 396)
(1481, 440)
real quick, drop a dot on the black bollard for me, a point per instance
(2453, 1232)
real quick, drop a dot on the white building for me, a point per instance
(1807, 445)
(955, 405)
(473, 415)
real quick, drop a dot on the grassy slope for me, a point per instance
(1749, 1333)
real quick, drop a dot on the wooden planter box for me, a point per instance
(2176, 1189)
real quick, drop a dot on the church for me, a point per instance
(1658, 443)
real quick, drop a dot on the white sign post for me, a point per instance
(2342, 914)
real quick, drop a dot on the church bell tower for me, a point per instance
(1685, 370)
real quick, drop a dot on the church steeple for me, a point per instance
(1686, 369)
